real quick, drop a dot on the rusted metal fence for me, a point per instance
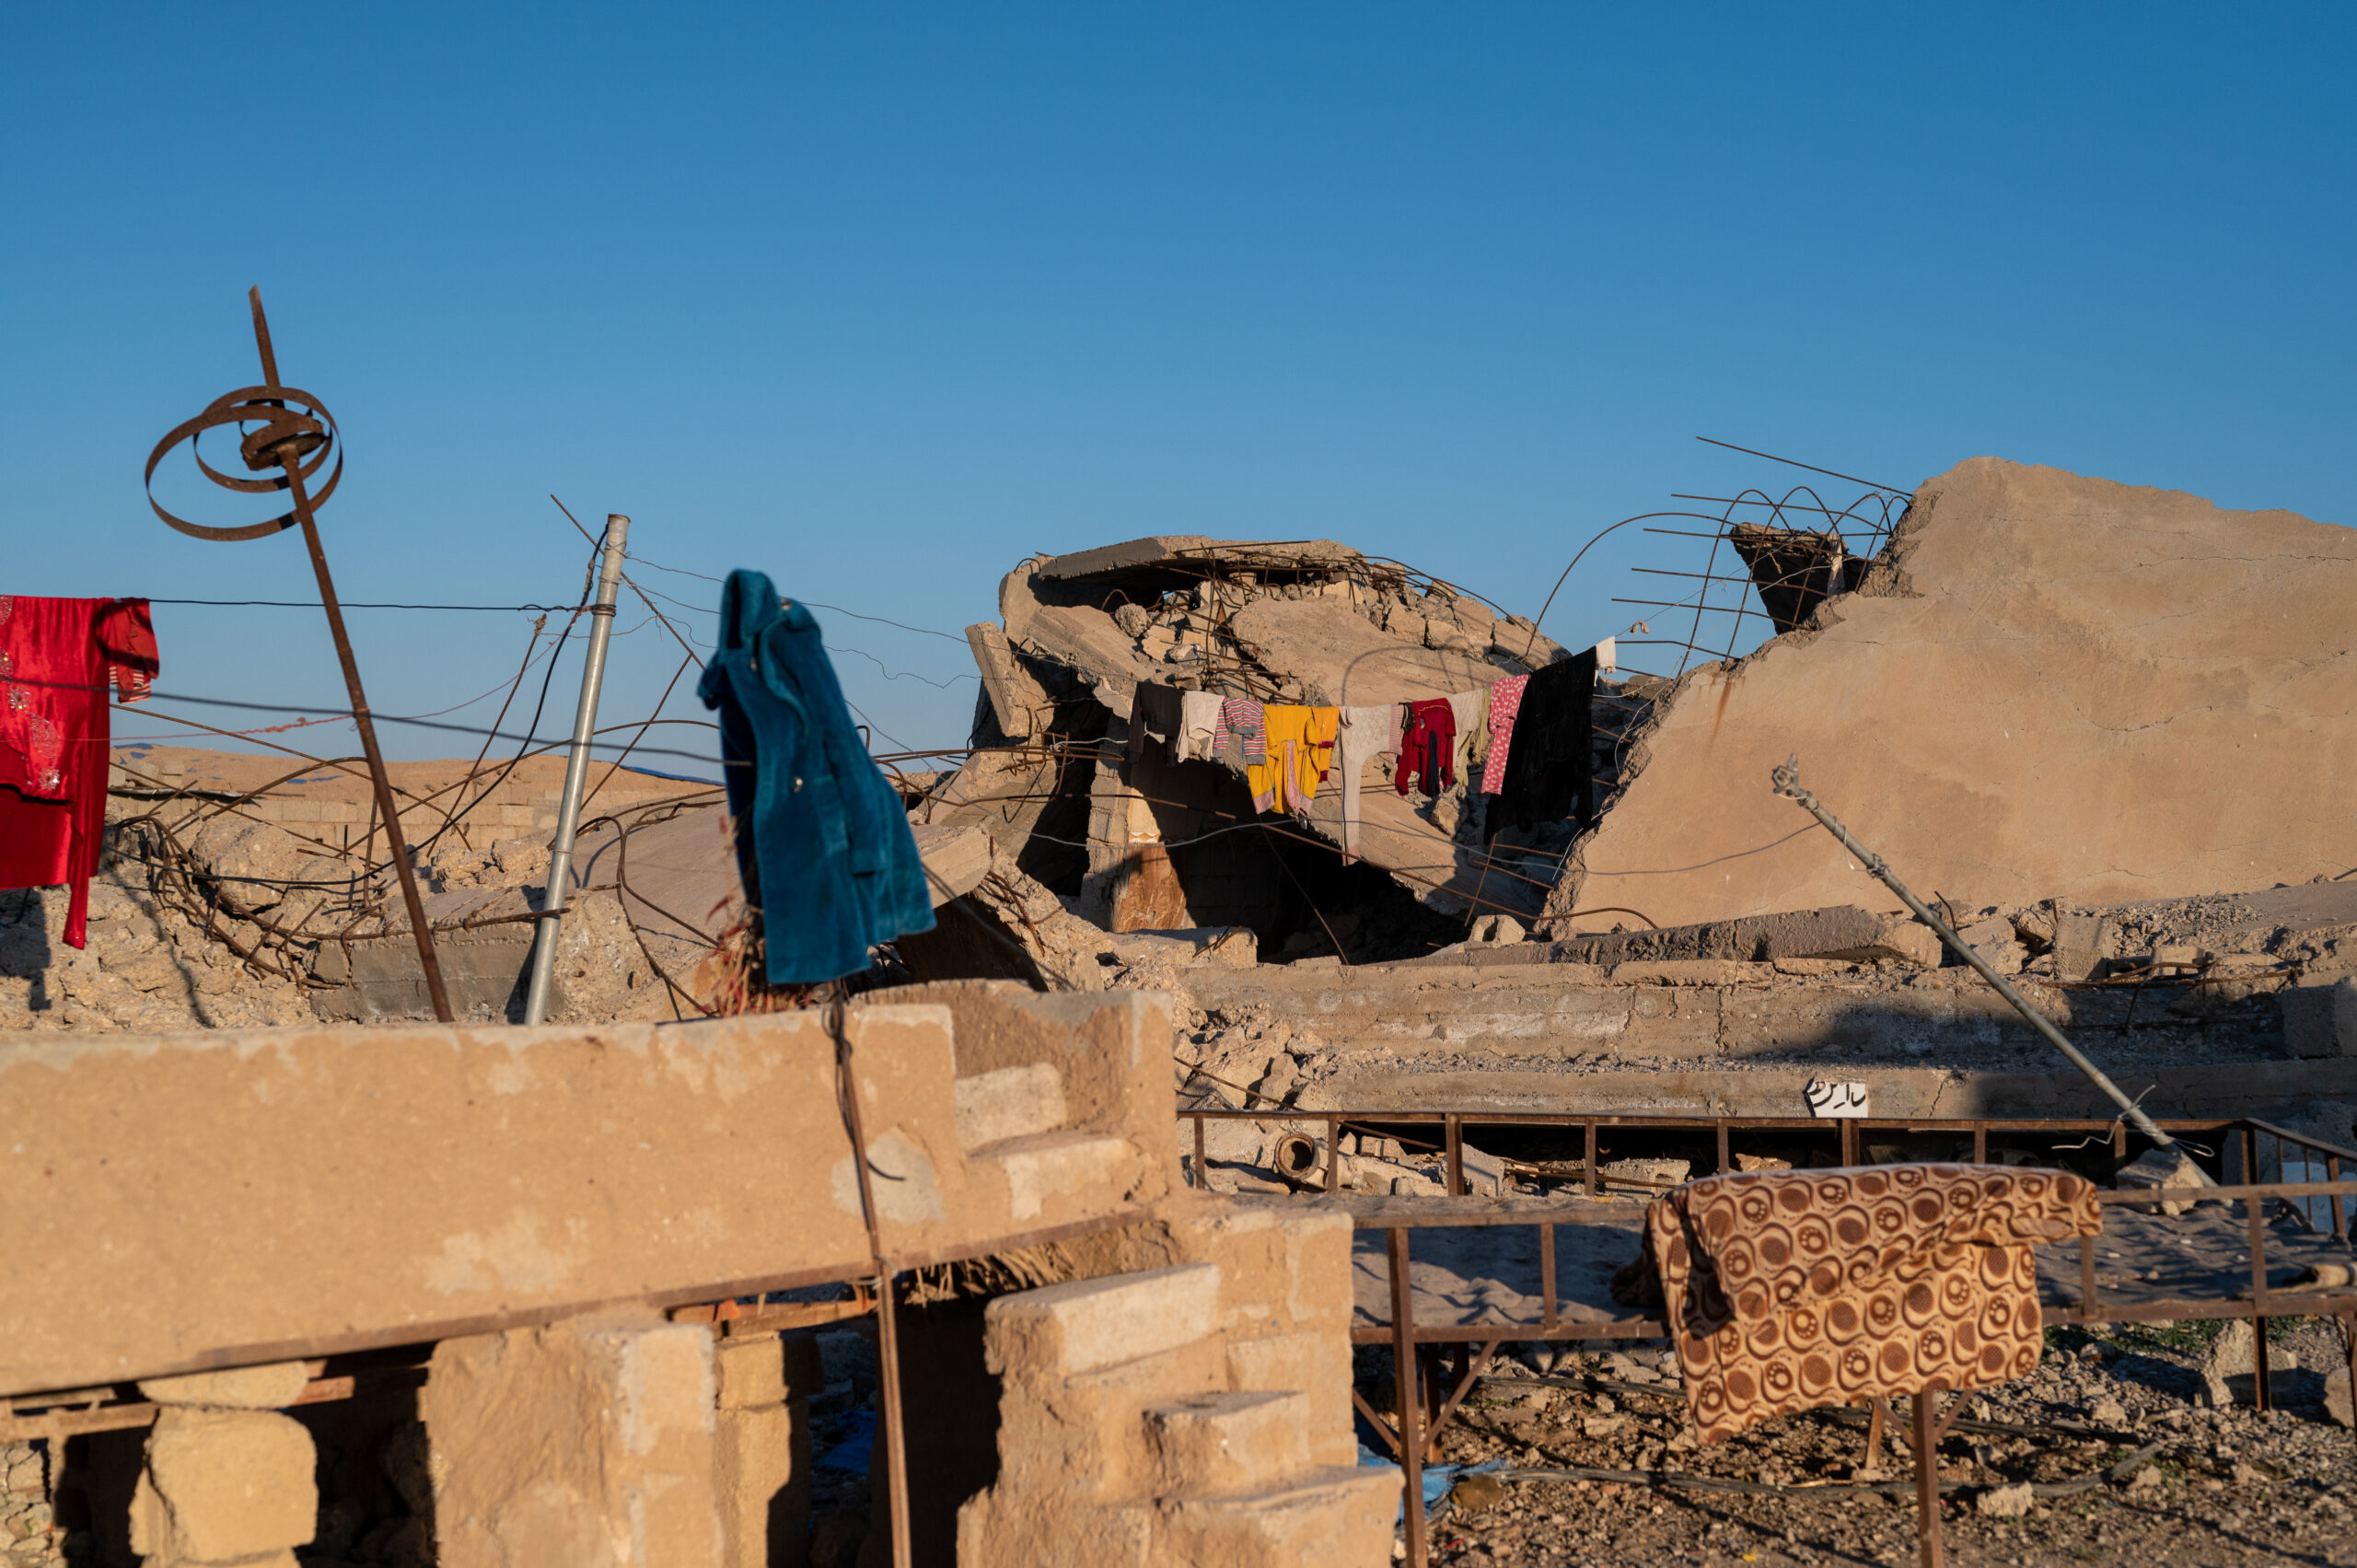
(1427, 1395)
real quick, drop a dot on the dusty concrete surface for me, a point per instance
(2049, 686)
(494, 1175)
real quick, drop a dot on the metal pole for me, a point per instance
(576, 771)
(1927, 1484)
(1404, 1371)
(887, 1342)
(290, 455)
(1787, 780)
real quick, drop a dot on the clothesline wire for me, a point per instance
(648, 595)
(528, 740)
(346, 604)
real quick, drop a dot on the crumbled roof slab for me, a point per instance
(2047, 686)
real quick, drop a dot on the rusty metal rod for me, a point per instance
(1927, 1482)
(888, 1334)
(1787, 779)
(1410, 1405)
(289, 455)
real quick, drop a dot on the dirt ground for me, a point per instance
(2165, 1481)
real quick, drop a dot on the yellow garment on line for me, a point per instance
(1301, 742)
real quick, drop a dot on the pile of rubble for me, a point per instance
(1697, 914)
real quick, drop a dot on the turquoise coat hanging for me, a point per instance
(823, 845)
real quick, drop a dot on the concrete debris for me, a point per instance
(2227, 1373)
(2006, 1502)
(1316, 623)
(2164, 1170)
(1844, 933)
(1984, 647)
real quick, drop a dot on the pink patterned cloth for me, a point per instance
(1505, 701)
(1244, 718)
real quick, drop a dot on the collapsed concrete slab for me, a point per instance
(2046, 687)
(1138, 842)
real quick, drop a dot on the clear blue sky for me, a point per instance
(879, 299)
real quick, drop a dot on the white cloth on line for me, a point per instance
(1365, 732)
(1472, 710)
(1197, 718)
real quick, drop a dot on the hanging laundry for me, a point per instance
(1198, 726)
(1427, 750)
(1551, 768)
(1240, 721)
(1300, 744)
(1154, 720)
(1471, 712)
(57, 658)
(823, 845)
(1506, 700)
(1366, 732)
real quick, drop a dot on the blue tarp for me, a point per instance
(1438, 1479)
(856, 1452)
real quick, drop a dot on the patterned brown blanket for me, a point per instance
(1788, 1290)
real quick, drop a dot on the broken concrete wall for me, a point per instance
(2049, 687)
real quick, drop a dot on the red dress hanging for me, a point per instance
(58, 656)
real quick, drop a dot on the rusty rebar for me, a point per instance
(296, 436)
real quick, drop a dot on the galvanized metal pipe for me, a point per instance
(1787, 780)
(576, 771)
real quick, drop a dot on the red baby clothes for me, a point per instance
(57, 658)
(1427, 752)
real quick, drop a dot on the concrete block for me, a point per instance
(1087, 1435)
(805, 1371)
(762, 1486)
(1318, 1364)
(1017, 699)
(749, 1370)
(1216, 1444)
(382, 978)
(1336, 1517)
(245, 1388)
(223, 1486)
(575, 1444)
(1485, 1174)
(1065, 1329)
(1010, 1102)
(1061, 1170)
(2321, 1020)
(2081, 946)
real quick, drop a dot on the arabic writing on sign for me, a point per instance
(1829, 1099)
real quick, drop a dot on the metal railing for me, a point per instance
(1422, 1407)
